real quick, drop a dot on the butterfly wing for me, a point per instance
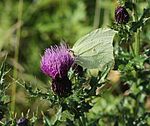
(95, 49)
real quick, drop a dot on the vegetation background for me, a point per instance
(27, 27)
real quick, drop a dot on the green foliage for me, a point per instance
(140, 23)
(27, 27)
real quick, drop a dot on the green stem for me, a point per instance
(97, 15)
(20, 8)
(136, 44)
(81, 122)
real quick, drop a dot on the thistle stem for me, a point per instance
(136, 44)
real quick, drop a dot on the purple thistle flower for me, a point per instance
(121, 15)
(56, 61)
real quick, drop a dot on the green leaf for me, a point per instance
(95, 49)
(140, 23)
(46, 121)
(58, 115)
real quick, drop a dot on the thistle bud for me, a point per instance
(121, 15)
(61, 86)
(23, 122)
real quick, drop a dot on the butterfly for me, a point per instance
(95, 49)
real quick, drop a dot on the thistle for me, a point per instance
(61, 86)
(56, 63)
(23, 122)
(121, 15)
